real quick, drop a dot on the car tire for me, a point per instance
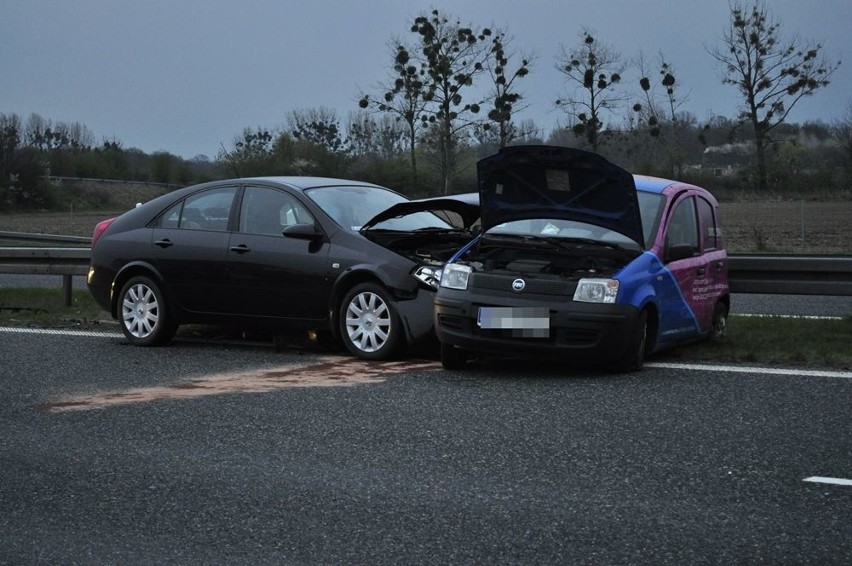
(452, 357)
(369, 324)
(143, 314)
(634, 356)
(719, 324)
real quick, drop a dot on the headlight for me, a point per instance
(596, 291)
(429, 274)
(455, 276)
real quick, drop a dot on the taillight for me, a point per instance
(100, 228)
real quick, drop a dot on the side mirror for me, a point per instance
(681, 251)
(303, 232)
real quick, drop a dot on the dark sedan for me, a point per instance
(287, 253)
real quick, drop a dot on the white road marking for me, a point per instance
(755, 370)
(57, 332)
(834, 481)
(662, 365)
(806, 317)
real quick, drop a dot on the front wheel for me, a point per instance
(145, 319)
(369, 324)
(452, 358)
(634, 356)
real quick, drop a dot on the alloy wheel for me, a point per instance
(368, 322)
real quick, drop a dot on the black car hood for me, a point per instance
(432, 246)
(527, 182)
(465, 205)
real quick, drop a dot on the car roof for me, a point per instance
(304, 183)
(649, 184)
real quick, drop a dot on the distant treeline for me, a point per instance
(811, 160)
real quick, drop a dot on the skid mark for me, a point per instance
(331, 372)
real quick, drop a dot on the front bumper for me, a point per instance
(588, 331)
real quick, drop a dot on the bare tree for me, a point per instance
(252, 153)
(368, 136)
(319, 126)
(506, 99)
(404, 99)
(451, 56)
(659, 112)
(842, 131)
(771, 75)
(594, 69)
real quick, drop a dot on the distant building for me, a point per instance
(725, 160)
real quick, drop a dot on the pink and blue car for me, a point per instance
(581, 260)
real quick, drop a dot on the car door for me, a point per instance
(272, 275)
(688, 267)
(708, 288)
(190, 249)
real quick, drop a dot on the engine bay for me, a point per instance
(565, 260)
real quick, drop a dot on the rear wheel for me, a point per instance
(719, 325)
(452, 358)
(634, 356)
(369, 324)
(145, 319)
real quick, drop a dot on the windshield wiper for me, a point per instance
(563, 242)
(439, 229)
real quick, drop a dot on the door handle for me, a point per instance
(701, 271)
(164, 243)
(241, 249)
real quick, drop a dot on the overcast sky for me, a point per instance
(187, 76)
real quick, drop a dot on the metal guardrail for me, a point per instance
(770, 274)
(66, 262)
(790, 274)
(53, 238)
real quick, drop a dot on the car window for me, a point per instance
(208, 210)
(683, 228)
(269, 211)
(171, 218)
(709, 228)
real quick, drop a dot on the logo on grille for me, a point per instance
(518, 285)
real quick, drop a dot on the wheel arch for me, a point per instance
(346, 282)
(129, 271)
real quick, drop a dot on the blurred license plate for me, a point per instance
(526, 322)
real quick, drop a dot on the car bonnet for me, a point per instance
(527, 182)
(466, 206)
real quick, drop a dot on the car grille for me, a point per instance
(565, 336)
(559, 287)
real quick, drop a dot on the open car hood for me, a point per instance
(429, 245)
(528, 182)
(465, 206)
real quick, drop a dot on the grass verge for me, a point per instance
(774, 341)
(45, 308)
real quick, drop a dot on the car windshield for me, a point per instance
(352, 207)
(567, 229)
(650, 206)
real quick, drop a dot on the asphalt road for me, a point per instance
(122, 455)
